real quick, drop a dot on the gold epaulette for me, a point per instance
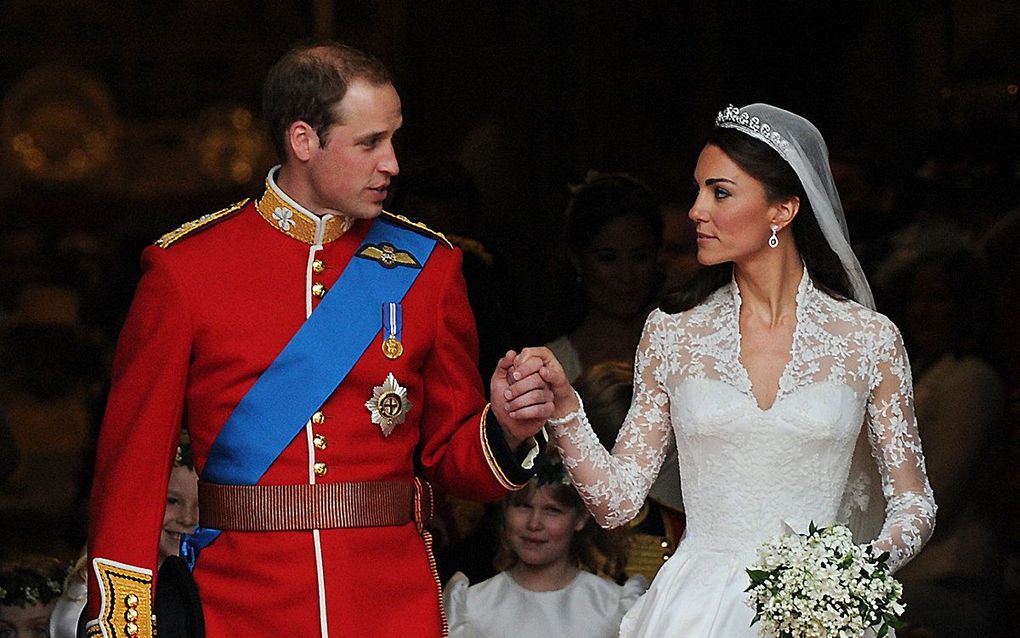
(202, 222)
(418, 226)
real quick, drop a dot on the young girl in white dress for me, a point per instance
(548, 536)
(788, 396)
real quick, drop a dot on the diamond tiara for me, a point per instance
(733, 117)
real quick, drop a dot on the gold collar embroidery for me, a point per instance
(283, 216)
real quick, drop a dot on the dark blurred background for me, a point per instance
(122, 120)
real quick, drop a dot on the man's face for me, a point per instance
(351, 174)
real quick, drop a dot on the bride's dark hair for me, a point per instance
(780, 181)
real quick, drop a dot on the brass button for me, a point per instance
(664, 544)
(318, 418)
(665, 557)
(131, 600)
(131, 629)
(320, 469)
(318, 290)
(318, 266)
(319, 442)
(131, 615)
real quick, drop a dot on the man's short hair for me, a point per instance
(308, 82)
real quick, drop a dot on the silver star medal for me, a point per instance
(389, 405)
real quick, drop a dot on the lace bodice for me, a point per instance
(745, 471)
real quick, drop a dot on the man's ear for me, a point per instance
(302, 140)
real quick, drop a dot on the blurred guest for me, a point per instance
(679, 246)
(613, 236)
(443, 195)
(47, 399)
(954, 586)
(549, 541)
(29, 588)
(23, 254)
(1001, 249)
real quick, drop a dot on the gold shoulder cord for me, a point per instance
(189, 227)
(420, 227)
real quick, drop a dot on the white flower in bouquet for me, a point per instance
(822, 585)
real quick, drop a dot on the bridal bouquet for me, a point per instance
(821, 585)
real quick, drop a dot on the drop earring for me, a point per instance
(773, 240)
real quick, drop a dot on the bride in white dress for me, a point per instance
(774, 375)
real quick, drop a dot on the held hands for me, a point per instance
(527, 389)
(522, 403)
(543, 362)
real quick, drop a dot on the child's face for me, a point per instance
(541, 528)
(32, 621)
(181, 515)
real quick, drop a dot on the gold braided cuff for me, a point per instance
(126, 591)
(490, 456)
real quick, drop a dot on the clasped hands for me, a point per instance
(528, 389)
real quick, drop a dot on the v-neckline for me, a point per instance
(748, 389)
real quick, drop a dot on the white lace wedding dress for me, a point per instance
(745, 470)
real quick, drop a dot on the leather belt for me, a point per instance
(279, 508)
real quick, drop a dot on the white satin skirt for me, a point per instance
(696, 594)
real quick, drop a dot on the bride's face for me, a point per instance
(731, 212)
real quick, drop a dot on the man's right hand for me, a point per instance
(521, 403)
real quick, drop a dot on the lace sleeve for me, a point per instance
(614, 485)
(896, 448)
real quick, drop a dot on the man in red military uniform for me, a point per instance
(321, 354)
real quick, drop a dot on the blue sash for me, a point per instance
(305, 373)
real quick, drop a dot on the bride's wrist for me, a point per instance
(566, 406)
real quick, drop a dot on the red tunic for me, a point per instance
(210, 314)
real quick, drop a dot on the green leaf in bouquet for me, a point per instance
(757, 576)
(894, 621)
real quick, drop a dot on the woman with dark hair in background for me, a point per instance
(775, 376)
(613, 234)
